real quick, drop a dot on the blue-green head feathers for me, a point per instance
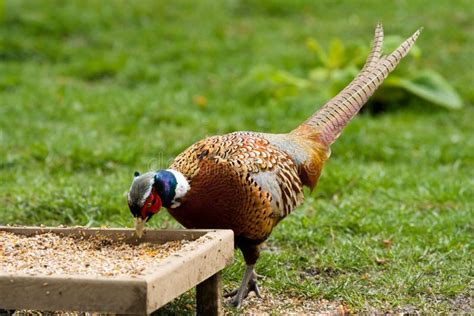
(165, 185)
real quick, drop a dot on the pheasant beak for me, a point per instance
(139, 226)
(152, 206)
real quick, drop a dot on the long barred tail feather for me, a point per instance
(330, 120)
(375, 53)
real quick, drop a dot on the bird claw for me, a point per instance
(258, 276)
(231, 293)
(253, 287)
(236, 301)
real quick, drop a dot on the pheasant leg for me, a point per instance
(249, 284)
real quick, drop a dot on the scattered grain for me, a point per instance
(52, 254)
(281, 304)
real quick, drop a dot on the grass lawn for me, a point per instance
(91, 91)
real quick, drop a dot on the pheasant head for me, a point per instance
(152, 190)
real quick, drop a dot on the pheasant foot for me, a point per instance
(249, 284)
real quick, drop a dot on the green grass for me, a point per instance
(90, 92)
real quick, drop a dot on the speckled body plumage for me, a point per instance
(240, 181)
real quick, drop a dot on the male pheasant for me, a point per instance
(248, 181)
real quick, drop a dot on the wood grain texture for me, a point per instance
(209, 296)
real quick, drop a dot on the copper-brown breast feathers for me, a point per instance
(260, 185)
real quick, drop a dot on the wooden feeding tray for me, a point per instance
(197, 263)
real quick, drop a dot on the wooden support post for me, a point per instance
(209, 296)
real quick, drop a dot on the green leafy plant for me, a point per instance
(339, 64)
(265, 81)
(336, 68)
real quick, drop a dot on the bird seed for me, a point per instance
(52, 254)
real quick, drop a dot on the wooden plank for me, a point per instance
(191, 269)
(209, 296)
(63, 293)
(138, 295)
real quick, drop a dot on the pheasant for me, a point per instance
(250, 181)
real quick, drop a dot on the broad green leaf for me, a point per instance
(431, 86)
(313, 45)
(319, 74)
(266, 81)
(289, 79)
(336, 54)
